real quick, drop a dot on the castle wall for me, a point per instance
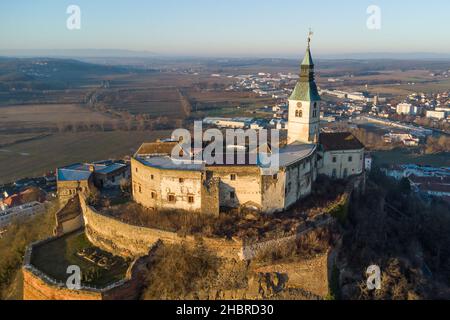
(39, 286)
(69, 218)
(342, 167)
(210, 197)
(166, 189)
(71, 225)
(69, 189)
(299, 178)
(246, 188)
(36, 288)
(132, 241)
(273, 192)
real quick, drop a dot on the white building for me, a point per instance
(438, 115)
(342, 155)
(407, 109)
(23, 211)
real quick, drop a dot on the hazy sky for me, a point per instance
(227, 27)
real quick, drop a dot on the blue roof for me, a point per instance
(108, 169)
(80, 171)
(73, 175)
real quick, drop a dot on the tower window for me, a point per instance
(350, 159)
(171, 198)
(334, 160)
(152, 177)
(233, 177)
(232, 195)
(191, 199)
(181, 180)
(298, 113)
(153, 194)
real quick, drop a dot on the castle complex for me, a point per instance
(160, 181)
(121, 251)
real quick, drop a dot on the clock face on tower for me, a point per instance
(299, 105)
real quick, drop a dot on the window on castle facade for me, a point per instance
(171, 198)
(232, 195)
(153, 194)
(298, 113)
(191, 199)
(233, 177)
(350, 159)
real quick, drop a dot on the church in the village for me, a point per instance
(160, 182)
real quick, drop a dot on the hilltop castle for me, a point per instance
(161, 182)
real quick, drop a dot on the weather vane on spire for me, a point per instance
(310, 34)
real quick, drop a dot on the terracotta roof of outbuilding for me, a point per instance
(162, 148)
(339, 141)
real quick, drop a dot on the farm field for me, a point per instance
(34, 158)
(152, 101)
(47, 116)
(404, 156)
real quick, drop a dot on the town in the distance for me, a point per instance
(89, 178)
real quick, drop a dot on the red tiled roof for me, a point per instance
(156, 148)
(14, 200)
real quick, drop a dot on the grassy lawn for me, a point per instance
(54, 257)
(405, 156)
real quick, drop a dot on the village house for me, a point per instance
(86, 177)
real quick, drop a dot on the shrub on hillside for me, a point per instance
(179, 271)
(14, 242)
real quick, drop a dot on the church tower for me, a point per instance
(304, 108)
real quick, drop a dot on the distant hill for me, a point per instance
(52, 73)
